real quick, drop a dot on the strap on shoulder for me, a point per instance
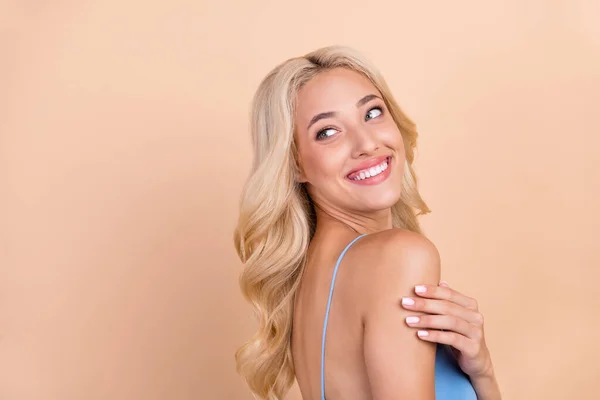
(337, 264)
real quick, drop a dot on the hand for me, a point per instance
(453, 319)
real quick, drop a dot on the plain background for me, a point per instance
(124, 146)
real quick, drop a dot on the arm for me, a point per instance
(486, 386)
(399, 365)
(455, 320)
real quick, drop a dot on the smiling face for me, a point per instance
(351, 152)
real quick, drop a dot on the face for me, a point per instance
(351, 152)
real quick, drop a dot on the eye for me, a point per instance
(374, 112)
(324, 132)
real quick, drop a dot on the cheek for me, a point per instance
(395, 139)
(320, 166)
(394, 136)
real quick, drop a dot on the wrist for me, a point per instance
(486, 385)
(487, 373)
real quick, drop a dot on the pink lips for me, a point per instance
(367, 164)
(373, 180)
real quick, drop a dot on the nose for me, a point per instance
(365, 142)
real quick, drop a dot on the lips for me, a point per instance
(368, 164)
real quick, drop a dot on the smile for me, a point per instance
(370, 172)
(372, 175)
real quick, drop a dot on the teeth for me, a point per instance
(373, 171)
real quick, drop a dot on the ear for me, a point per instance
(300, 176)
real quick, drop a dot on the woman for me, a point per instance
(332, 201)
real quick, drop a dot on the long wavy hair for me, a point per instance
(277, 217)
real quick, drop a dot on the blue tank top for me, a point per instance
(451, 383)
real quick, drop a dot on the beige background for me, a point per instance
(124, 145)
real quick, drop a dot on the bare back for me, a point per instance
(369, 350)
(345, 366)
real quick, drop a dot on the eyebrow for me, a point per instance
(330, 114)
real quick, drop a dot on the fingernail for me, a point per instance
(407, 301)
(422, 333)
(444, 283)
(412, 320)
(420, 289)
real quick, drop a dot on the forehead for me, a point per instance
(332, 90)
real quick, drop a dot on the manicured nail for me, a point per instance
(423, 333)
(412, 320)
(407, 301)
(420, 289)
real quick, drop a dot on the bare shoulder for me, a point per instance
(399, 365)
(398, 244)
(391, 262)
(396, 252)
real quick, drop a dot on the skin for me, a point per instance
(372, 351)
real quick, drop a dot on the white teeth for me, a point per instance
(373, 171)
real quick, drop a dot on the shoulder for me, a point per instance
(405, 246)
(391, 262)
(396, 252)
(396, 360)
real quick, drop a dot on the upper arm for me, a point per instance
(399, 364)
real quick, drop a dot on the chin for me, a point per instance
(384, 201)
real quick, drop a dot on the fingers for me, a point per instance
(442, 307)
(446, 293)
(468, 347)
(445, 322)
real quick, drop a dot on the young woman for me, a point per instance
(332, 202)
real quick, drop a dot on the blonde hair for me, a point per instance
(277, 219)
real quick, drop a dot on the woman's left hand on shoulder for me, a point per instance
(454, 319)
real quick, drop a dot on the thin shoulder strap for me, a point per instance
(337, 264)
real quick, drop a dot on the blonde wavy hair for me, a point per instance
(277, 218)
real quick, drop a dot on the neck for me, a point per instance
(358, 222)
